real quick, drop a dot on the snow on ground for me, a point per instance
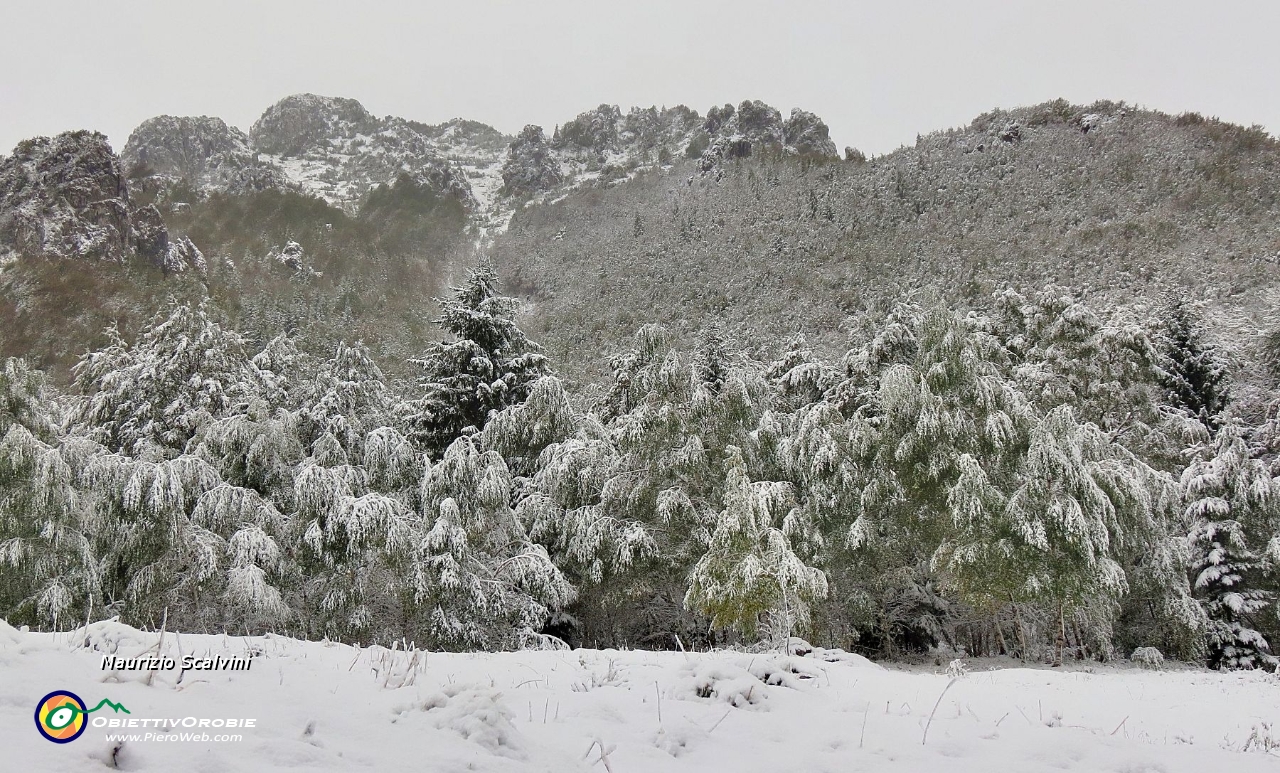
(323, 706)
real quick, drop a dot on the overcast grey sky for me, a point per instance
(877, 72)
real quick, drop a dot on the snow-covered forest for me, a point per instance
(1028, 476)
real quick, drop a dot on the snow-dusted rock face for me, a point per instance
(336, 149)
(201, 150)
(325, 146)
(593, 130)
(606, 137)
(808, 135)
(602, 145)
(530, 166)
(150, 237)
(183, 255)
(754, 127)
(66, 197)
(303, 122)
(760, 123)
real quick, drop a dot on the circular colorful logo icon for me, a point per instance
(60, 716)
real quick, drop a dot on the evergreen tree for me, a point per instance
(568, 460)
(1231, 505)
(1062, 352)
(152, 397)
(1078, 502)
(25, 399)
(750, 576)
(49, 570)
(1193, 373)
(348, 399)
(358, 546)
(479, 578)
(522, 432)
(798, 376)
(488, 365)
(155, 553)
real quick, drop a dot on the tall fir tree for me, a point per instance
(488, 365)
(1192, 372)
(1231, 505)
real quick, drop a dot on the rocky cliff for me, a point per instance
(67, 197)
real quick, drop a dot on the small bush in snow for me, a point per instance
(1147, 657)
(1263, 738)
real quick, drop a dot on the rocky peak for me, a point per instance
(336, 149)
(759, 123)
(606, 131)
(595, 130)
(530, 166)
(201, 152)
(67, 197)
(197, 149)
(808, 135)
(305, 122)
(754, 126)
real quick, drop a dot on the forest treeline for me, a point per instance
(1034, 477)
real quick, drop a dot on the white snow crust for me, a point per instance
(324, 706)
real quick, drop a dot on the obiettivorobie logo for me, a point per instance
(60, 715)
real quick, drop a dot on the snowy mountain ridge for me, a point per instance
(337, 150)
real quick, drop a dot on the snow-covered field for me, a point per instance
(323, 706)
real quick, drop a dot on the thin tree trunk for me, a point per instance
(1004, 648)
(1022, 636)
(1060, 640)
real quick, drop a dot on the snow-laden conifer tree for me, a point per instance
(800, 378)
(750, 577)
(649, 485)
(348, 399)
(360, 533)
(1056, 537)
(1231, 506)
(152, 396)
(25, 399)
(478, 579)
(521, 432)
(255, 564)
(567, 460)
(1193, 373)
(1106, 367)
(487, 365)
(257, 448)
(938, 414)
(286, 372)
(49, 570)
(155, 554)
(923, 404)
